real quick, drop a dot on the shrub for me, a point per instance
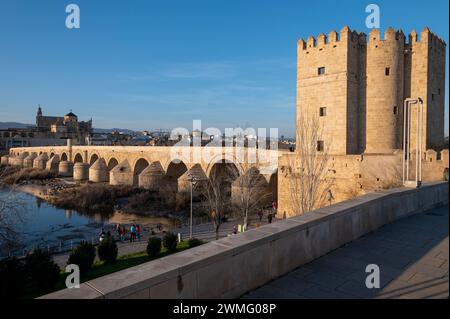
(92, 198)
(141, 201)
(12, 278)
(193, 242)
(42, 270)
(83, 256)
(154, 246)
(170, 241)
(16, 175)
(107, 250)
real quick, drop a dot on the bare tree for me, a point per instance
(250, 190)
(215, 197)
(11, 214)
(309, 176)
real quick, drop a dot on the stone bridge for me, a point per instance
(154, 168)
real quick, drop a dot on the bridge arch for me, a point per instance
(113, 162)
(94, 157)
(78, 158)
(223, 172)
(138, 167)
(174, 170)
(64, 157)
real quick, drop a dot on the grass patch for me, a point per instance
(100, 269)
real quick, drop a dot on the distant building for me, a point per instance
(66, 127)
(49, 131)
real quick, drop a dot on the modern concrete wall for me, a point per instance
(229, 267)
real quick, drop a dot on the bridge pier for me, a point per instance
(151, 177)
(185, 183)
(18, 160)
(52, 164)
(28, 161)
(98, 172)
(4, 160)
(80, 171)
(121, 174)
(40, 161)
(65, 169)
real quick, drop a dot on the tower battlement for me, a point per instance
(358, 82)
(390, 35)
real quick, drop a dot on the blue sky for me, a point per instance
(161, 64)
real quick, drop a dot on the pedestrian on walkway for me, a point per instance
(274, 208)
(122, 233)
(260, 215)
(138, 232)
(118, 229)
(132, 233)
(269, 218)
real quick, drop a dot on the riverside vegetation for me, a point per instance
(85, 197)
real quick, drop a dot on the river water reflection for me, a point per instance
(46, 226)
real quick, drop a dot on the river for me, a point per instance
(40, 224)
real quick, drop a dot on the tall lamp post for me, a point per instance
(193, 181)
(194, 175)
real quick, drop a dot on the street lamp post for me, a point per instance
(193, 181)
(194, 175)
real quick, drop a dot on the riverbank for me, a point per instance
(86, 197)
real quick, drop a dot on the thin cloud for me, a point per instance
(205, 70)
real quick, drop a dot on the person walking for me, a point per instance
(132, 233)
(118, 229)
(269, 218)
(260, 215)
(122, 233)
(138, 232)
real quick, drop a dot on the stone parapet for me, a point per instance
(232, 266)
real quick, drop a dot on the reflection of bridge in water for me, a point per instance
(154, 168)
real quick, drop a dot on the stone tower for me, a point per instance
(38, 116)
(357, 85)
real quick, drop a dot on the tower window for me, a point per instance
(321, 71)
(439, 91)
(323, 111)
(395, 110)
(387, 71)
(432, 97)
(320, 146)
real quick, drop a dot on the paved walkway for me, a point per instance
(204, 232)
(412, 255)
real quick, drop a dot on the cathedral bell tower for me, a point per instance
(38, 117)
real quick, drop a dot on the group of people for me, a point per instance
(135, 232)
(270, 215)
